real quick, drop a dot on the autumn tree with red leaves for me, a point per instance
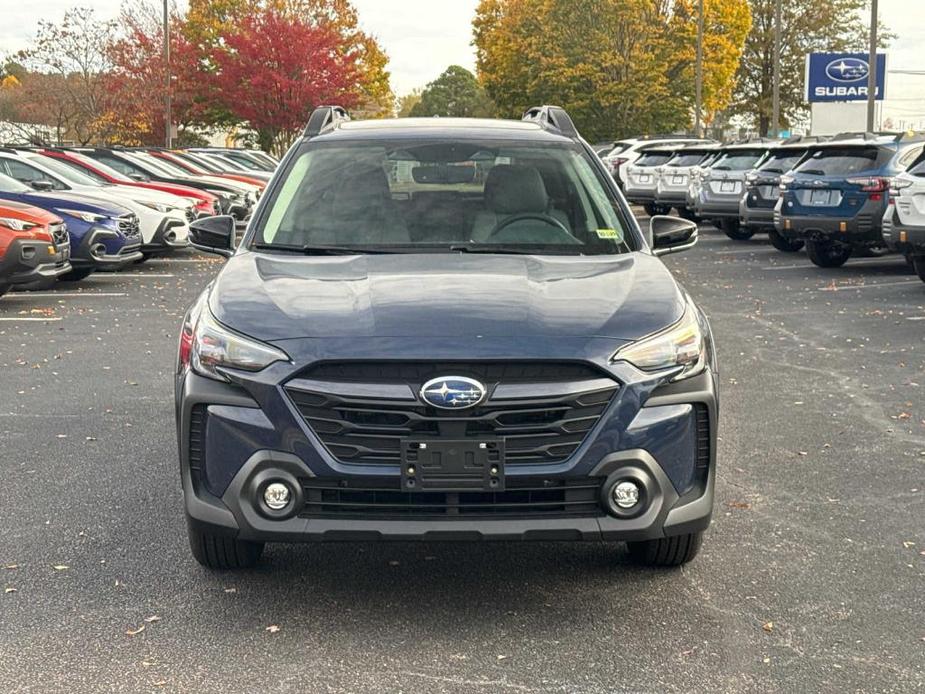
(273, 70)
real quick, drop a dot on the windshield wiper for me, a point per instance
(515, 250)
(312, 249)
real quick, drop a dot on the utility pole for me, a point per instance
(872, 68)
(698, 108)
(775, 88)
(168, 118)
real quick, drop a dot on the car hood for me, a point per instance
(274, 297)
(65, 200)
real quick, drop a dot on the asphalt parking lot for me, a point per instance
(812, 577)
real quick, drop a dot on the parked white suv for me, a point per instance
(904, 221)
(625, 152)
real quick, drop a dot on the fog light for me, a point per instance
(276, 496)
(625, 494)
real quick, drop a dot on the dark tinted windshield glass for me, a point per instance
(739, 160)
(690, 159)
(781, 162)
(653, 158)
(840, 161)
(439, 195)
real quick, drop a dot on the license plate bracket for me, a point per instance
(452, 465)
(727, 187)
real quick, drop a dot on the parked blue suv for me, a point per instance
(445, 329)
(836, 198)
(104, 236)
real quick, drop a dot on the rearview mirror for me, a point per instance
(42, 184)
(214, 235)
(671, 234)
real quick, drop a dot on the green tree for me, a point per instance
(455, 93)
(620, 67)
(807, 26)
(408, 102)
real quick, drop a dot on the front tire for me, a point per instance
(784, 245)
(828, 253)
(666, 551)
(734, 230)
(687, 214)
(918, 262)
(222, 553)
(4, 288)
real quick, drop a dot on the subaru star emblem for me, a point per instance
(453, 392)
(847, 70)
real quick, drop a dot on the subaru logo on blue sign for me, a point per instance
(453, 392)
(847, 70)
(842, 76)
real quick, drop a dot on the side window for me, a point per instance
(28, 174)
(908, 157)
(119, 165)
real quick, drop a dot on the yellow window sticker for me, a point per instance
(608, 234)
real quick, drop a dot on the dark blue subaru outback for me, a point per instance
(440, 329)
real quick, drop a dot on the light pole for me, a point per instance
(872, 68)
(775, 87)
(168, 136)
(698, 107)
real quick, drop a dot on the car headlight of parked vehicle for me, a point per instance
(90, 217)
(680, 345)
(207, 346)
(17, 224)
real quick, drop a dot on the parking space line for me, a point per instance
(123, 275)
(181, 260)
(853, 263)
(67, 295)
(915, 317)
(17, 319)
(851, 287)
(739, 251)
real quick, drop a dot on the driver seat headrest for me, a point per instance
(512, 189)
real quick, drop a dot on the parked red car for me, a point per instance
(34, 246)
(206, 203)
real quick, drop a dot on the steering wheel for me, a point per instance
(523, 216)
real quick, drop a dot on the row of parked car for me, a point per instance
(68, 212)
(853, 193)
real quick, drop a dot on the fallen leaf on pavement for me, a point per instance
(133, 632)
(61, 567)
(272, 628)
(768, 626)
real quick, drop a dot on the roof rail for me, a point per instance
(857, 135)
(325, 118)
(552, 118)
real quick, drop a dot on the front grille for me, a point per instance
(59, 234)
(362, 411)
(129, 226)
(382, 498)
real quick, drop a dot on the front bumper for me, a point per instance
(250, 433)
(27, 261)
(101, 249)
(171, 235)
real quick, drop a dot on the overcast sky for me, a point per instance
(423, 37)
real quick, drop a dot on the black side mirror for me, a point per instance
(671, 234)
(214, 235)
(42, 184)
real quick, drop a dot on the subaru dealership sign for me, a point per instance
(842, 76)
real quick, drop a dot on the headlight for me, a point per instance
(91, 217)
(156, 206)
(214, 346)
(681, 345)
(17, 224)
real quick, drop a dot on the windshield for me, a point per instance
(783, 161)
(64, 171)
(96, 164)
(445, 195)
(199, 162)
(653, 158)
(840, 161)
(165, 168)
(11, 185)
(739, 160)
